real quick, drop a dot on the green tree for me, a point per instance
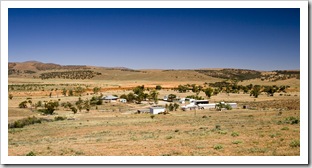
(10, 96)
(96, 90)
(182, 88)
(130, 97)
(64, 91)
(171, 97)
(175, 106)
(74, 109)
(23, 104)
(138, 90)
(255, 91)
(270, 90)
(158, 87)
(154, 96)
(79, 90)
(208, 92)
(86, 105)
(70, 92)
(50, 107)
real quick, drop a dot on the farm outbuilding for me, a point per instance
(110, 98)
(123, 100)
(156, 110)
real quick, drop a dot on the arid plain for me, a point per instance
(262, 125)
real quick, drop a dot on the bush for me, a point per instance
(152, 116)
(24, 122)
(292, 120)
(218, 127)
(234, 134)
(158, 87)
(223, 132)
(10, 96)
(237, 142)
(294, 143)
(31, 153)
(23, 104)
(218, 147)
(59, 118)
(74, 109)
(285, 128)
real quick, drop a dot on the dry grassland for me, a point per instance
(113, 130)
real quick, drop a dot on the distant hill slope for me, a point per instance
(35, 69)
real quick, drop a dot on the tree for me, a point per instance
(208, 92)
(87, 105)
(10, 96)
(23, 104)
(70, 92)
(38, 104)
(171, 97)
(154, 96)
(79, 90)
(74, 109)
(96, 90)
(158, 87)
(50, 107)
(255, 91)
(130, 97)
(175, 106)
(196, 89)
(138, 90)
(64, 91)
(270, 90)
(182, 89)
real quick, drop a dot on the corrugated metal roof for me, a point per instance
(109, 97)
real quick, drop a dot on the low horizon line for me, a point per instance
(120, 67)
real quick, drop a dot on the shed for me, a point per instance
(123, 100)
(156, 110)
(233, 105)
(110, 98)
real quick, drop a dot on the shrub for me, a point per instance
(31, 153)
(158, 87)
(218, 147)
(285, 128)
(59, 118)
(237, 142)
(234, 134)
(169, 137)
(294, 143)
(223, 132)
(292, 120)
(24, 122)
(152, 116)
(23, 104)
(218, 127)
(10, 96)
(74, 109)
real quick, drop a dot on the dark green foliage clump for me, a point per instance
(59, 118)
(81, 74)
(292, 120)
(233, 74)
(31, 153)
(24, 122)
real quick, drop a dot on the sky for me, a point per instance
(157, 38)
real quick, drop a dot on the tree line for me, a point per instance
(81, 74)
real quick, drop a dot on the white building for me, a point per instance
(123, 100)
(156, 110)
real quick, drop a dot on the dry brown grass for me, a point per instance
(114, 130)
(179, 133)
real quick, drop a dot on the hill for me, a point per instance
(44, 71)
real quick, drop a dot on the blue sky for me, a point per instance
(260, 39)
